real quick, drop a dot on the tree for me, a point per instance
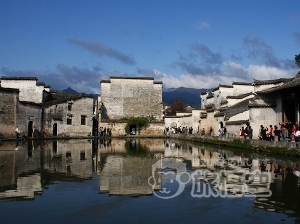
(297, 59)
(176, 105)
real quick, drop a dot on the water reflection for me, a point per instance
(125, 166)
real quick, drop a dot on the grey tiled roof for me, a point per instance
(30, 103)
(220, 85)
(241, 96)
(294, 82)
(240, 122)
(120, 77)
(272, 81)
(211, 105)
(105, 81)
(210, 110)
(178, 116)
(243, 83)
(18, 78)
(256, 103)
(219, 114)
(40, 83)
(237, 108)
(226, 86)
(223, 101)
(210, 95)
(2, 89)
(203, 116)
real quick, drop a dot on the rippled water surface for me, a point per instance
(142, 181)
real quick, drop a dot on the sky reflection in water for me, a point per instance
(80, 181)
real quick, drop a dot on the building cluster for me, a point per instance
(35, 109)
(237, 106)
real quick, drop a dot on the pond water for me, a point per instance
(143, 181)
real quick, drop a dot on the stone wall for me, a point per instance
(29, 113)
(8, 111)
(59, 114)
(126, 97)
(118, 128)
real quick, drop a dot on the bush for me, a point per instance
(139, 122)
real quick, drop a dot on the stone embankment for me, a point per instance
(252, 145)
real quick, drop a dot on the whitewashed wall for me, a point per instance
(29, 91)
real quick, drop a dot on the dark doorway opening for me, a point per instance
(133, 129)
(95, 127)
(54, 147)
(290, 110)
(54, 129)
(30, 128)
(221, 124)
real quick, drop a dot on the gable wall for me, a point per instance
(8, 112)
(29, 91)
(132, 97)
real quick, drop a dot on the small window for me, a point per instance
(69, 106)
(68, 154)
(82, 155)
(83, 120)
(69, 121)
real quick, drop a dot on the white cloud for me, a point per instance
(202, 25)
(232, 72)
(262, 72)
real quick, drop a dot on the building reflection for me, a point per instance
(124, 167)
(20, 175)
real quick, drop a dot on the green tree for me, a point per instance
(139, 122)
(297, 59)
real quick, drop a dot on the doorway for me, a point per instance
(54, 129)
(30, 128)
(133, 129)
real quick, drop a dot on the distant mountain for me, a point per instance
(69, 90)
(190, 95)
(72, 91)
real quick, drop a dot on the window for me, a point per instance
(69, 106)
(82, 155)
(83, 120)
(69, 121)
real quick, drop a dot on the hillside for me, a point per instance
(190, 95)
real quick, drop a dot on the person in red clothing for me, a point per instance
(242, 132)
(271, 133)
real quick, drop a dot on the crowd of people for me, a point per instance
(178, 130)
(246, 132)
(282, 132)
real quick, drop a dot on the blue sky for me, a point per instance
(190, 43)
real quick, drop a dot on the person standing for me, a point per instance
(250, 132)
(17, 131)
(277, 133)
(224, 131)
(285, 134)
(271, 133)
